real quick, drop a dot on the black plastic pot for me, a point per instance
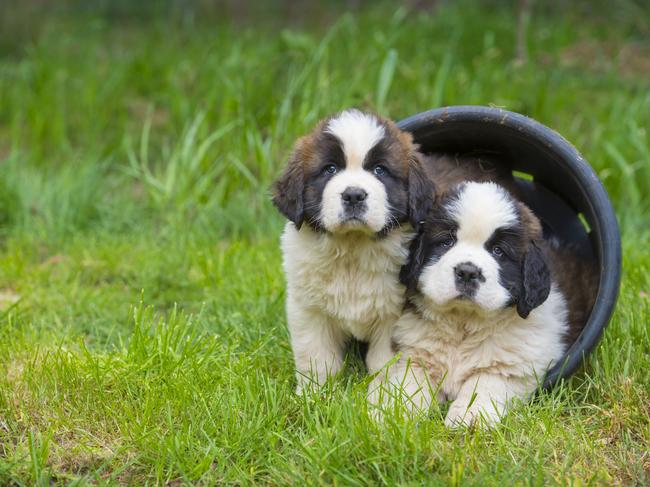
(565, 193)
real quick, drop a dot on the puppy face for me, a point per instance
(356, 172)
(478, 252)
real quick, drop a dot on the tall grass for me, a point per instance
(197, 118)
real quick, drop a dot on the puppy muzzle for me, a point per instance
(468, 277)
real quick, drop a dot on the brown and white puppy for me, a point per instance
(489, 312)
(354, 191)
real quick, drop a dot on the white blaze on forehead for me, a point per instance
(358, 132)
(481, 208)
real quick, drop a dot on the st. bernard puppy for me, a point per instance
(354, 191)
(488, 314)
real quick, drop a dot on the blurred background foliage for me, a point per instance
(119, 114)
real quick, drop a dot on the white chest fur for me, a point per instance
(452, 347)
(352, 278)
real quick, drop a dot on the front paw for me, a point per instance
(462, 414)
(458, 416)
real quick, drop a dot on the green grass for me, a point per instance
(142, 330)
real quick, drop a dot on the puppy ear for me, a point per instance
(536, 280)
(420, 192)
(289, 188)
(410, 272)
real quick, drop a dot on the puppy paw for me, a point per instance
(458, 416)
(477, 414)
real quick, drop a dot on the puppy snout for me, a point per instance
(353, 195)
(468, 273)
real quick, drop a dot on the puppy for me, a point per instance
(354, 191)
(487, 316)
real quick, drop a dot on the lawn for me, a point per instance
(142, 330)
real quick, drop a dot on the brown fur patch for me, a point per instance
(578, 279)
(448, 171)
(529, 222)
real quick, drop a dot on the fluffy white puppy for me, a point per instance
(353, 192)
(487, 316)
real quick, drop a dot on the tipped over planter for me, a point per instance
(557, 184)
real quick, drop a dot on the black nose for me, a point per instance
(352, 195)
(467, 272)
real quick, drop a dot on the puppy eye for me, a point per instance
(379, 170)
(448, 241)
(498, 251)
(330, 169)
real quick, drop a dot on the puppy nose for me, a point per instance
(467, 272)
(353, 195)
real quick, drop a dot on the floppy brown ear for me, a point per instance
(536, 280)
(421, 192)
(289, 188)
